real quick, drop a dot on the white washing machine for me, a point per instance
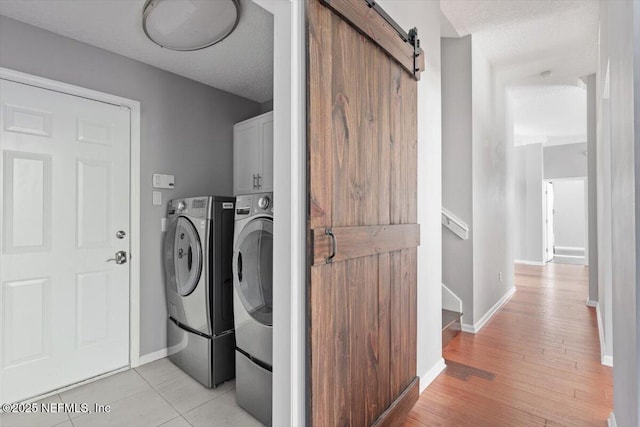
(253, 303)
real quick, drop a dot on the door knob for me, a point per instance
(121, 234)
(121, 257)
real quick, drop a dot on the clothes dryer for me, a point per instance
(253, 303)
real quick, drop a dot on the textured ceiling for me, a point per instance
(241, 64)
(522, 38)
(552, 115)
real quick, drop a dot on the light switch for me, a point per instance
(163, 224)
(164, 181)
(157, 198)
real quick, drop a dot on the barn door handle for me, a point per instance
(334, 245)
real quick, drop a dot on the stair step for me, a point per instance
(451, 325)
(449, 317)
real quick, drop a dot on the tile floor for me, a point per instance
(155, 394)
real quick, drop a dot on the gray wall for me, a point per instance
(592, 187)
(457, 254)
(529, 231)
(569, 213)
(186, 130)
(620, 22)
(266, 106)
(565, 161)
(491, 245)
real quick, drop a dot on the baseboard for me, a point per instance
(604, 359)
(569, 250)
(525, 262)
(591, 303)
(432, 374)
(569, 259)
(152, 357)
(611, 422)
(475, 328)
(468, 328)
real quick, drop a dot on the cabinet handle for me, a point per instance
(255, 185)
(259, 182)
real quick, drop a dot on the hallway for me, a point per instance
(536, 363)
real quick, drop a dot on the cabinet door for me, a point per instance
(266, 128)
(246, 157)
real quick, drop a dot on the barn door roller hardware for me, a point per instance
(375, 6)
(383, 30)
(415, 42)
(411, 37)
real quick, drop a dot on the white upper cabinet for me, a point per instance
(253, 155)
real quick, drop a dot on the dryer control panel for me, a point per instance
(254, 204)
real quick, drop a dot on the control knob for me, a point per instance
(264, 202)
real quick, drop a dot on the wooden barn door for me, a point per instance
(362, 225)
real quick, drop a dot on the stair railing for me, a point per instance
(455, 224)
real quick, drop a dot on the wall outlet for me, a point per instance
(500, 276)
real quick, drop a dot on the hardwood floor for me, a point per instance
(536, 363)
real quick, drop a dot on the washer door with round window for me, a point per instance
(184, 269)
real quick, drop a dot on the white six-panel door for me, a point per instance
(64, 309)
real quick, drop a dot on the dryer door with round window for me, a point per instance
(253, 267)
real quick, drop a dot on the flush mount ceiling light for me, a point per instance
(189, 24)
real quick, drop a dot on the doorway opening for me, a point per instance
(565, 222)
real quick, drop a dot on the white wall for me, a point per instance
(289, 320)
(620, 47)
(492, 256)
(565, 161)
(529, 201)
(476, 166)
(569, 216)
(592, 188)
(186, 130)
(603, 175)
(425, 15)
